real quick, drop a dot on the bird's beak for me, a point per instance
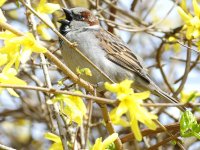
(68, 14)
(64, 22)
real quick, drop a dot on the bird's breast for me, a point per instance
(89, 45)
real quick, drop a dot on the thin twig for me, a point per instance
(166, 140)
(170, 104)
(33, 28)
(87, 128)
(168, 133)
(149, 11)
(101, 9)
(97, 4)
(54, 91)
(3, 147)
(109, 125)
(191, 67)
(160, 21)
(64, 3)
(148, 132)
(112, 18)
(125, 13)
(133, 5)
(82, 136)
(158, 58)
(186, 72)
(188, 47)
(184, 60)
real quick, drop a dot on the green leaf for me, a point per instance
(83, 71)
(197, 135)
(192, 96)
(111, 147)
(173, 142)
(17, 3)
(189, 126)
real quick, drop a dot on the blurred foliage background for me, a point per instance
(152, 29)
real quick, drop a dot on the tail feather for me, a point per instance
(160, 93)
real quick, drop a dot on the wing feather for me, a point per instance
(120, 54)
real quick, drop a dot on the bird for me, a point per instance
(108, 52)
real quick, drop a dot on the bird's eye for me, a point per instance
(77, 17)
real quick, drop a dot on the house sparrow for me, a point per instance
(105, 50)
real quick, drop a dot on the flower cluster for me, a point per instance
(71, 106)
(16, 49)
(192, 23)
(57, 143)
(99, 145)
(130, 104)
(43, 9)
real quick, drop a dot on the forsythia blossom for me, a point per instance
(189, 96)
(99, 145)
(192, 23)
(8, 76)
(72, 106)
(18, 48)
(2, 2)
(57, 145)
(44, 9)
(130, 104)
(175, 46)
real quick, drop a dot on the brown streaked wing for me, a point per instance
(121, 54)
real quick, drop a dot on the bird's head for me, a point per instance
(77, 18)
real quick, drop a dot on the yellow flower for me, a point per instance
(72, 106)
(130, 104)
(117, 119)
(183, 5)
(45, 8)
(139, 113)
(99, 145)
(16, 49)
(122, 89)
(3, 58)
(9, 77)
(189, 96)
(198, 45)
(57, 145)
(174, 46)
(2, 2)
(19, 48)
(192, 23)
